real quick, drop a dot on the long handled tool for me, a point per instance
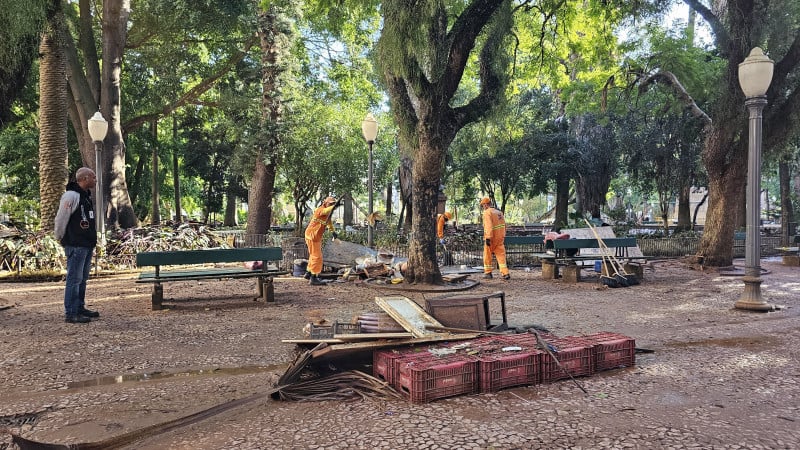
(546, 347)
(623, 278)
(606, 276)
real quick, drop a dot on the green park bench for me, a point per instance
(573, 261)
(160, 259)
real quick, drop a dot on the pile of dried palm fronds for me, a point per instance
(123, 245)
(340, 386)
(32, 252)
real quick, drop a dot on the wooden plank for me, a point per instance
(368, 336)
(408, 314)
(312, 341)
(343, 350)
(454, 278)
(214, 255)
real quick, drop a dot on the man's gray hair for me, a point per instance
(82, 173)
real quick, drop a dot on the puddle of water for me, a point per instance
(150, 376)
(743, 342)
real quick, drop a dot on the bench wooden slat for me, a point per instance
(214, 255)
(524, 240)
(562, 244)
(204, 274)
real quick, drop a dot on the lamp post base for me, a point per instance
(751, 297)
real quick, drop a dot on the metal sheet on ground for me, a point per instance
(345, 253)
(408, 314)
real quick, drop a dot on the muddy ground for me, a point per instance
(717, 377)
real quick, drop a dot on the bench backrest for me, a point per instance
(592, 243)
(214, 255)
(524, 240)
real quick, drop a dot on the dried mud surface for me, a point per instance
(718, 377)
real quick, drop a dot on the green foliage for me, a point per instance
(31, 252)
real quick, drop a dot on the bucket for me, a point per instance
(598, 266)
(299, 267)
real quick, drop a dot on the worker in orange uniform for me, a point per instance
(494, 235)
(441, 221)
(314, 231)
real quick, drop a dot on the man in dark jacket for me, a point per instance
(75, 229)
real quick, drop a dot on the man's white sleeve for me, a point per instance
(68, 204)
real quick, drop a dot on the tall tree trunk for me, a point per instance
(388, 200)
(684, 209)
(404, 173)
(156, 187)
(787, 211)
(697, 209)
(726, 188)
(562, 201)
(274, 47)
(347, 209)
(115, 31)
(422, 265)
(231, 201)
(176, 179)
(53, 168)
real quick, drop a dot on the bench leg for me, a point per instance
(572, 273)
(158, 296)
(549, 270)
(266, 289)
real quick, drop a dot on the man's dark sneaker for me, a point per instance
(77, 319)
(88, 313)
(315, 281)
(487, 276)
(506, 277)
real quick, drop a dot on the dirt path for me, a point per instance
(719, 377)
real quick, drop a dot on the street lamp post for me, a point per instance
(369, 128)
(98, 127)
(755, 75)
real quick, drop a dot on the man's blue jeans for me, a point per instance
(79, 264)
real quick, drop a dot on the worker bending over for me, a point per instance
(441, 221)
(314, 231)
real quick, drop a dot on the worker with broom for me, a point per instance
(494, 236)
(314, 232)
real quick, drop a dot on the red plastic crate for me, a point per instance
(506, 369)
(425, 379)
(575, 355)
(612, 350)
(385, 362)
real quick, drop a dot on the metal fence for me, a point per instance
(472, 254)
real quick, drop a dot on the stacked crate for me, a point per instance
(505, 363)
(612, 350)
(426, 377)
(385, 363)
(490, 363)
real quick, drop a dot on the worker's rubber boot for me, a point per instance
(307, 275)
(315, 281)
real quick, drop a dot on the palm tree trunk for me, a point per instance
(53, 169)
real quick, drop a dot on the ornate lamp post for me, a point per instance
(755, 75)
(98, 127)
(369, 128)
